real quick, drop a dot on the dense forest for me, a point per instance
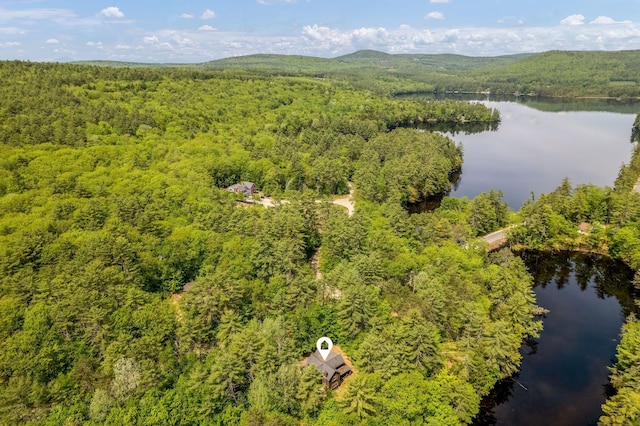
(559, 74)
(624, 407)
(135, 289)
(548, 74)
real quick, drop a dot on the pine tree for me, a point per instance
(358, 398)
(311, 391)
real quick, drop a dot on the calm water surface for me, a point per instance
(565, 371)
(533, 150)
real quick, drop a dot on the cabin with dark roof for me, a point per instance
(333, 369)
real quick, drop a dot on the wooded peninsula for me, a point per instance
(136, 288)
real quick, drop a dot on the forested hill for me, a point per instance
(120, 64)
(565, 73)
(551, 74)
(370, 69)
(365, 60)
(135, 289)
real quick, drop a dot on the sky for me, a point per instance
(202, 30)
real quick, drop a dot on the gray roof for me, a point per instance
(247, 188)
(328, 366)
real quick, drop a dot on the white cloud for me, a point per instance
(434, 15)
(64, 17)
(187, 16)
(477, 41)
(11, 30)
(605, 20)
(112, 12)
(325, 36)
(13, 44)
(440, 1)
(370, 35)
(198, 43)
(183, 41)
(195, 45)
(48, 14)
(510, 20)
(208, 14)
(166, 46)
(573, 20)
(52, 41)
(65, 51)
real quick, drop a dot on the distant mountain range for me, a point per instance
(361, 58)
(366, 59)
(554, 73)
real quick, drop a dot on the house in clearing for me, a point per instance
(333, 369)
(584, 228)
(245, 188)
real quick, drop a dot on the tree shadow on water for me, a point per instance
(500, 394)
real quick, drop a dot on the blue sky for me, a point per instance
(202, 30)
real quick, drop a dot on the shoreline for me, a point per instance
(516, 94)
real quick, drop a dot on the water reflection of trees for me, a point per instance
(456, 128)
(529, 346)
(608, 276)
(622, 106)
(500, 394)
(433, 202)
(611, 278)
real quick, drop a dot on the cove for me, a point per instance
(565, 371)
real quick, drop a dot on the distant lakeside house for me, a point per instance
(584, 228)
(245, 188)
(333, 369)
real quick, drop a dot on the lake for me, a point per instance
(533, 150)
(563, 379)
(565, 371)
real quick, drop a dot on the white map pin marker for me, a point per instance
(324, 353)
